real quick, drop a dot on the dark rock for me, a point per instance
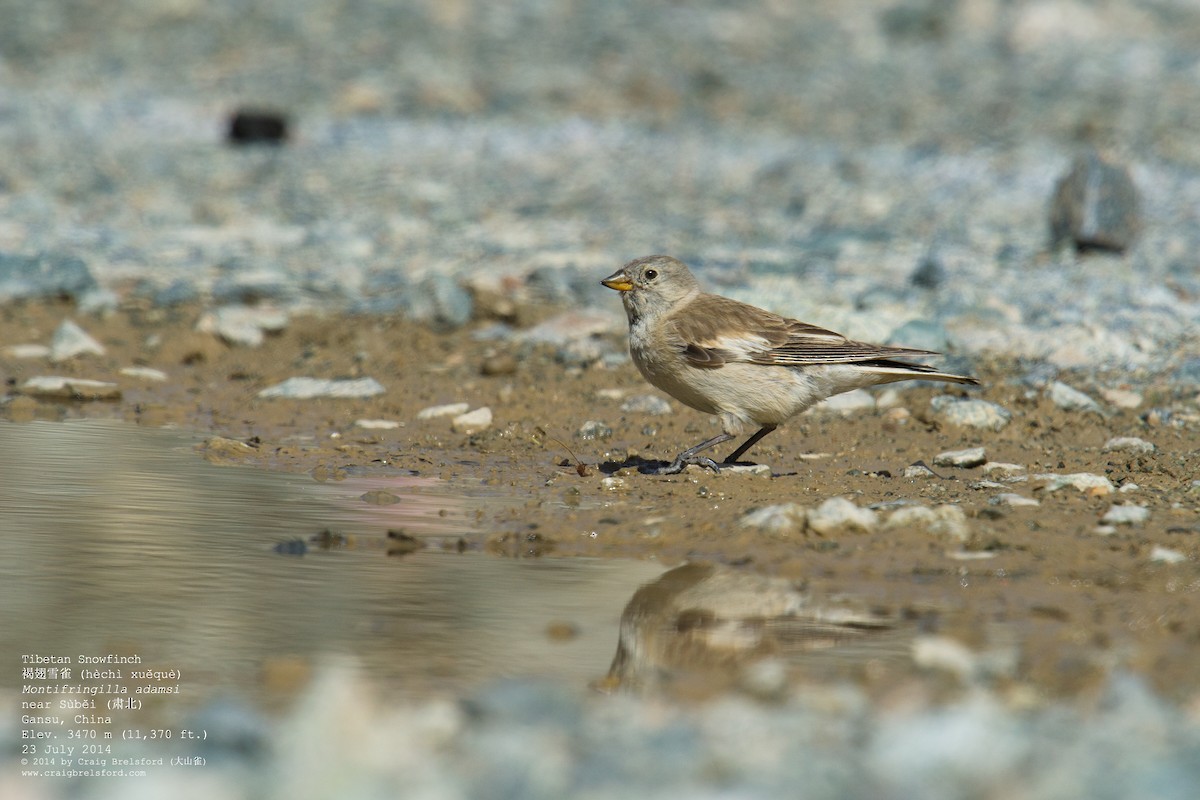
(929, 274)
(1096, 206)
(253, 126)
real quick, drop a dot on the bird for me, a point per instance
(746, 365)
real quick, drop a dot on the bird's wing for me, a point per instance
(712, 331)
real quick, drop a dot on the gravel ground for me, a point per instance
(884, 169)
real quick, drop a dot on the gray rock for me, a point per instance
(971, 457)
(971, 412)
(1083, 481)
(1071, 399)
(837, 515)
(646, 404)
(929, 274)
(1096, 206)
(1013, 499)
(443, 302)
(70, 341)
(593, 430)
(914, 471)
(309, 388)
(784, 519)
(1128, 444)
(176, 293)
(46, 275)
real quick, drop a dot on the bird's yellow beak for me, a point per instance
(619, 281)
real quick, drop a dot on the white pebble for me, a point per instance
(145, 373)
(837, 514)
(27, 351)
(1166, 555)
(72, 388)
(310, 388)
(447, 410)
(1121, 398)
(1128, 444)
(1013, 499)
(970, 457)
(1010, 473)
(473, 421)
(947, 519)
(377, 424)
(1126, 515)
(1083, 481)
(781, 520)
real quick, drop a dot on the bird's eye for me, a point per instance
(651, 274)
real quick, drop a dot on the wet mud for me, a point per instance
(1052, 594)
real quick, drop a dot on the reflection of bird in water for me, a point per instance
(710, 622)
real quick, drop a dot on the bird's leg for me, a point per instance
(689, 457)
(746, 445)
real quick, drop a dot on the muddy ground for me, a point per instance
(1079, 601)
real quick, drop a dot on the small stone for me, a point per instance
(986, 485)
(377, 424)
(917, 471)
(837, 514)
(847, 402)
(1070, 399)
(1126, 515)
(70, 340)
(1166, 555)
(1004, 471)
(473, 421)
(593, 430)
(1095, 205)
(761, 470)
(784, 519)
(646, 404)
(27, 351)
(243, 325)
(1013, 499)
(614, 484)
(145, 373)
(895, 418)
(446, 410)
(1121, 398)
(57, 387)
(971, 413)
(257, 126)
(1128, 444)
(443, 301)
(502, 364)
(309, 388)
(966, 459)
(948, 520)
(1086, 482)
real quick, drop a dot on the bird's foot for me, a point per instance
(681, 463)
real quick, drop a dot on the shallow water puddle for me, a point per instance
(121, 541)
